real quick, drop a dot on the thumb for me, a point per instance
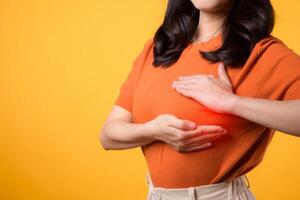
(183, 124)
(223, 74)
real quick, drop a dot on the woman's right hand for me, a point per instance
(184, 135)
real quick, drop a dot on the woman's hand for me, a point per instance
(184, 135)
(216, 94)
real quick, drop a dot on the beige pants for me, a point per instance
(234, 189)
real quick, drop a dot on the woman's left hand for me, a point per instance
(215, 93)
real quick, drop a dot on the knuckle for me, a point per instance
(166, 115)
(182, 124)
(201, 130)
(178, 148)
(179, 136)
(181, 144)
(181, 149)
(163, 116)
(167, 118)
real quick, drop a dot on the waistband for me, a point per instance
(235, 188)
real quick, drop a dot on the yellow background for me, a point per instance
(62, 63)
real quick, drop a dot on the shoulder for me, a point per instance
(145, 52)
(273, 55)
(149, 42)
(148, 46)
(274, 49)
(275, 65)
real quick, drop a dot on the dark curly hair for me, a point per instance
(247, 22)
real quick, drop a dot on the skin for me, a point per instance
(119, 131)
(208, 90)
(212, 15)
(216, 94)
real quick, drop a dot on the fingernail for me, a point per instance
(191, 125)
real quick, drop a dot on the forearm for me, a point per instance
(118, 134)
(283, 116)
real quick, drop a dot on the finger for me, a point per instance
(182, 84)
(196, 78)
(191, 76)
(223, 74)
(197, 81)
(191, 81)
(204, 129)
(203, 138)
(199, 147)
(186, 91)
(194, 82)
(192, 90)
(210, 128)
(182, 124)
(189, 86)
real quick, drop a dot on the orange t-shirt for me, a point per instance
(272, 71)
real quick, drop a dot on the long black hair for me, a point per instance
(247, 22)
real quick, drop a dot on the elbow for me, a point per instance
(103, 141)
(103, 144)
(296, 133)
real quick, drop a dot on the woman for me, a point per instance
(204, 98)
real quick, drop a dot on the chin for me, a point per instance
(211, 5)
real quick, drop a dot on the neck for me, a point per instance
(209, 25)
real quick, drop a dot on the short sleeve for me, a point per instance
(127, 89)
(293, 90)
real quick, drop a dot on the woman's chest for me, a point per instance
(154, 95)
